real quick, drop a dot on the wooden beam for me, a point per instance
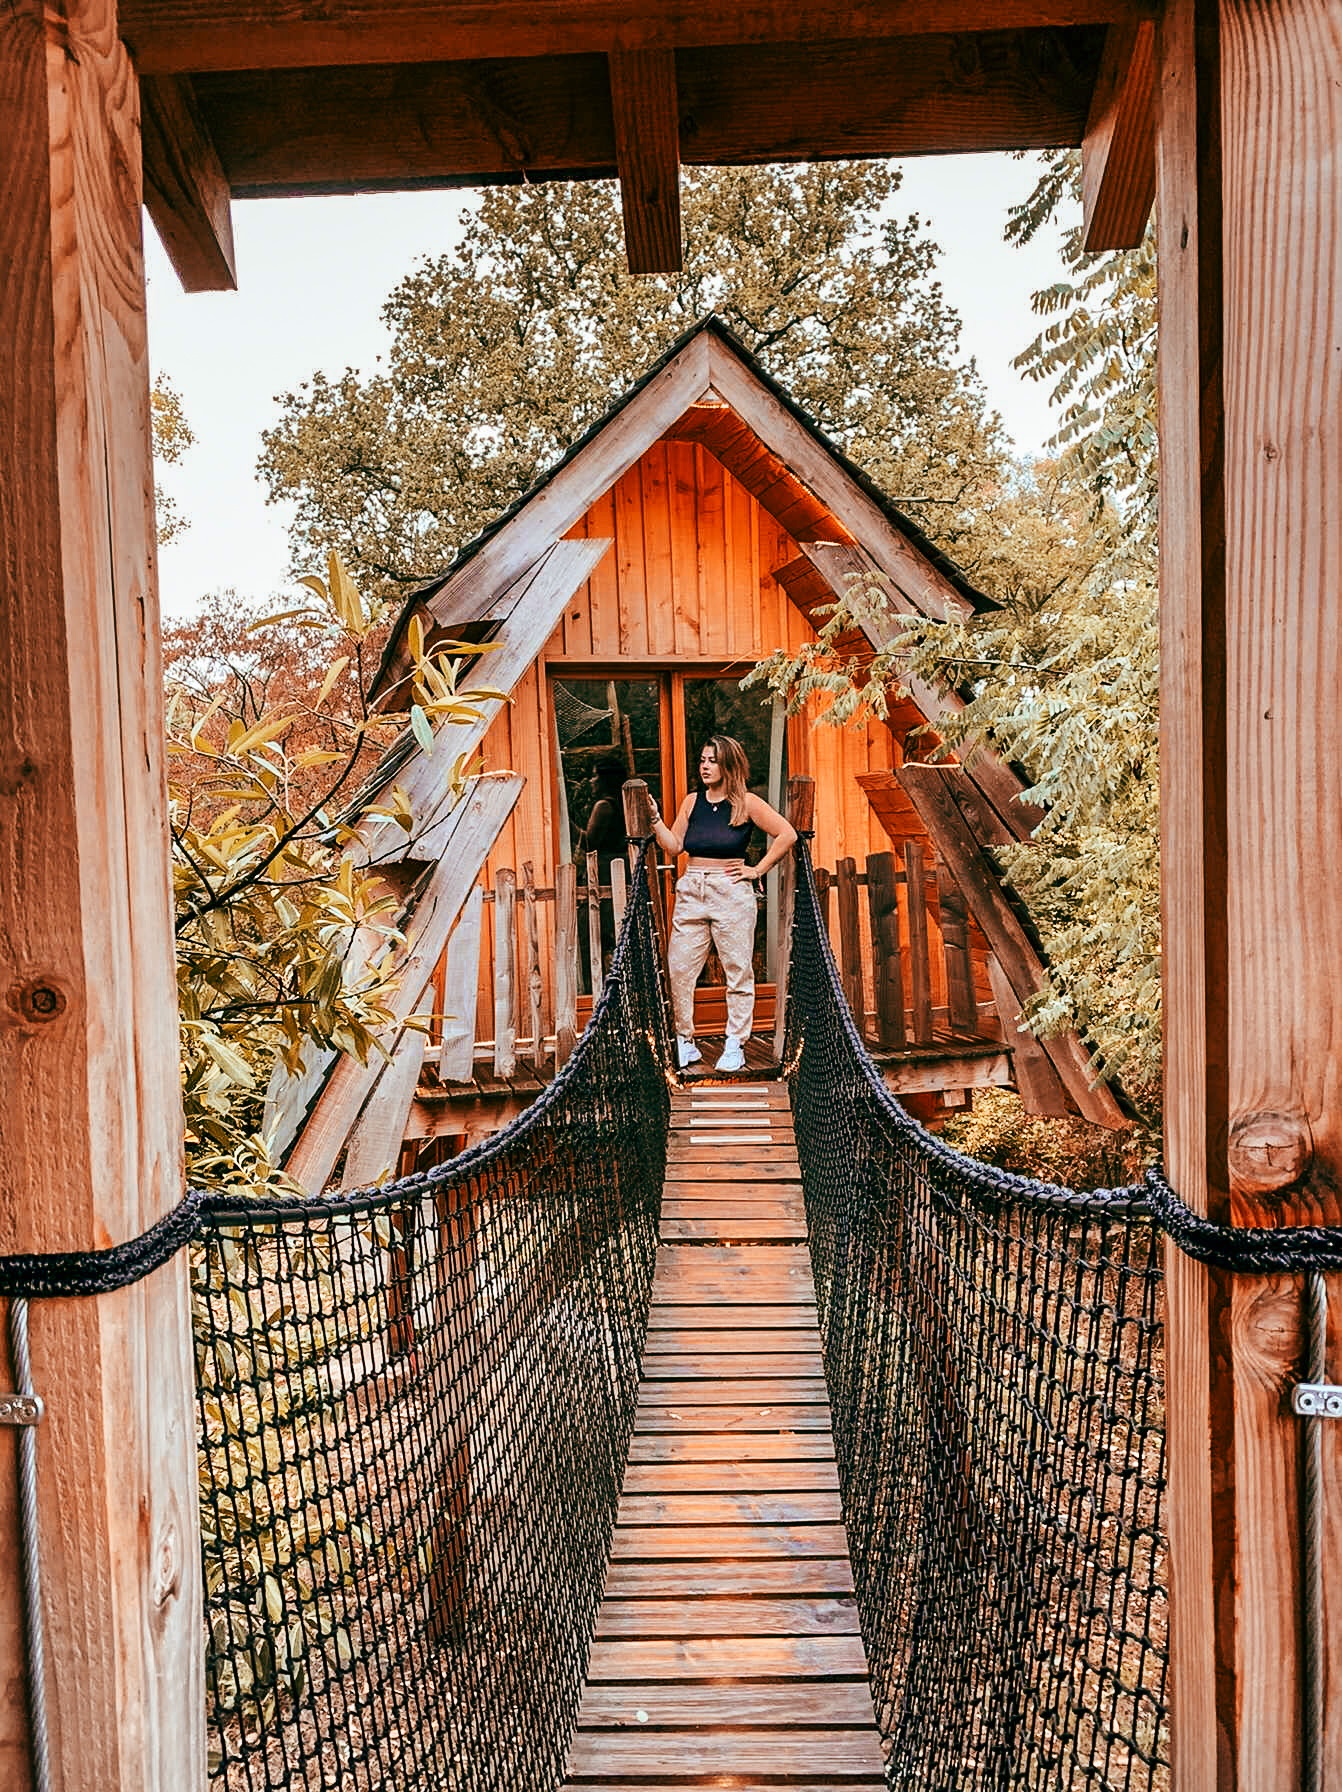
(942, 796)
(1118, 154)
(505, 971)
(89, 1057)
(1038, 1084)
(647, 154)
(185, 189)
(801, 813)
(931, 1074)
(1250, 198)
(375, 1143)
(186, 35)
(486, 805)
(461, 983)
(392, 125)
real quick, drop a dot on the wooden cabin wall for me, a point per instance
(689, 583)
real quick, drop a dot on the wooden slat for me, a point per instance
(665, 1543)
(505, 971)
(1118, 154)
(846, 1753)
(1040, 1087)
(961, 1001)
(683, 1509)
(592, 906)
(799, 1390)
(795, 1705)
(186, 192)
(729, 1316)
(920, 965)
(695, 1366)
(726, 1345)
(533, 982)
(461, 983)
(618, 893)
(650, 1619)
(701, 1168)
(801, 813)
(566, 962)
(887, 965)
(764, 1414)
(850, 939)
(725, 1230)
(766, 1576)
(646, 122)
(713, 1477)
(741, 1658)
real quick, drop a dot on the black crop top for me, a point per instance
(710, 833)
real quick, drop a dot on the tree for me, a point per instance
(505, 349)
(172, 435)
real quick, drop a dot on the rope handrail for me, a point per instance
(993, 1351)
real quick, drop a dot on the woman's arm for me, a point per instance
(671, 839)
(782, 836)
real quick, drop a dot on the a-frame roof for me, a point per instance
(706, 374)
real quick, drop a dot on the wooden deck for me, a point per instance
(727, 1650)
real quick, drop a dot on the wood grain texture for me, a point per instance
(646, 124)
(1118, 155)
(186, 192)
(184, 35)
(92, 1143)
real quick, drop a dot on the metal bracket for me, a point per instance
(21, 1409)
(1316, 1400)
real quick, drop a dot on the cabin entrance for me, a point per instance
(605, 730)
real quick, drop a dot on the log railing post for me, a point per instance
(801, 813)
(505, 972)
(850, 940)
(1250, 207)
(566, 962)
(92, 1128)
(887, 966)
(638, 826)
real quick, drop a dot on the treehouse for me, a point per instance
(702, 524)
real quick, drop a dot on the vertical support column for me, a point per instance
(1250, 205)
(92, 1147)
(801, 813)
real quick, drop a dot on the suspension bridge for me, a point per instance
(738, 1436)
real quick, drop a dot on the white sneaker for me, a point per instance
(687, 1052)
(733, 1056)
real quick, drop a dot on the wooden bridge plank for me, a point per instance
(724, 1617)
(739, 1447)
(758, 1575)
(733, 1231)
(738, 1477)
(796, 1390)
(729, 1508)
(795, 1705)
(730, 1318)
(689, 1340)
(693, 1366)
(766, 1415)
(697, 1190)
(736, 1658)
(706, 1166)
(844, 1752)
(701, 1542)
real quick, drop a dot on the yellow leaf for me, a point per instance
(328, 683)
(264, 731)
(279, 616)
(415, 637)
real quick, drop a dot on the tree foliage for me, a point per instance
(504, 349)
(270, 731)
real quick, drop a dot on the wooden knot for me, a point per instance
(1269, 1152)
(37, 1001)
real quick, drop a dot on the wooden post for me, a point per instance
(801, 813)
(887, 967)
(535, 1018)
(920, 964)
(566, 962)
(619, 894)
(1249, 170)
(638, 825)
(505, 972)
(850, 940)
(594, 923)
(88, 1010)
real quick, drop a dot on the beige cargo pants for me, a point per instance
(711, 906)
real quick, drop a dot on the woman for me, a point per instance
(715, 896)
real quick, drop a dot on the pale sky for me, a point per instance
(313, 274)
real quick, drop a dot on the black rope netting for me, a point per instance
(993, 1348)
(415, 1409)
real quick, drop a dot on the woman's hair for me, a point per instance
(735, 769)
